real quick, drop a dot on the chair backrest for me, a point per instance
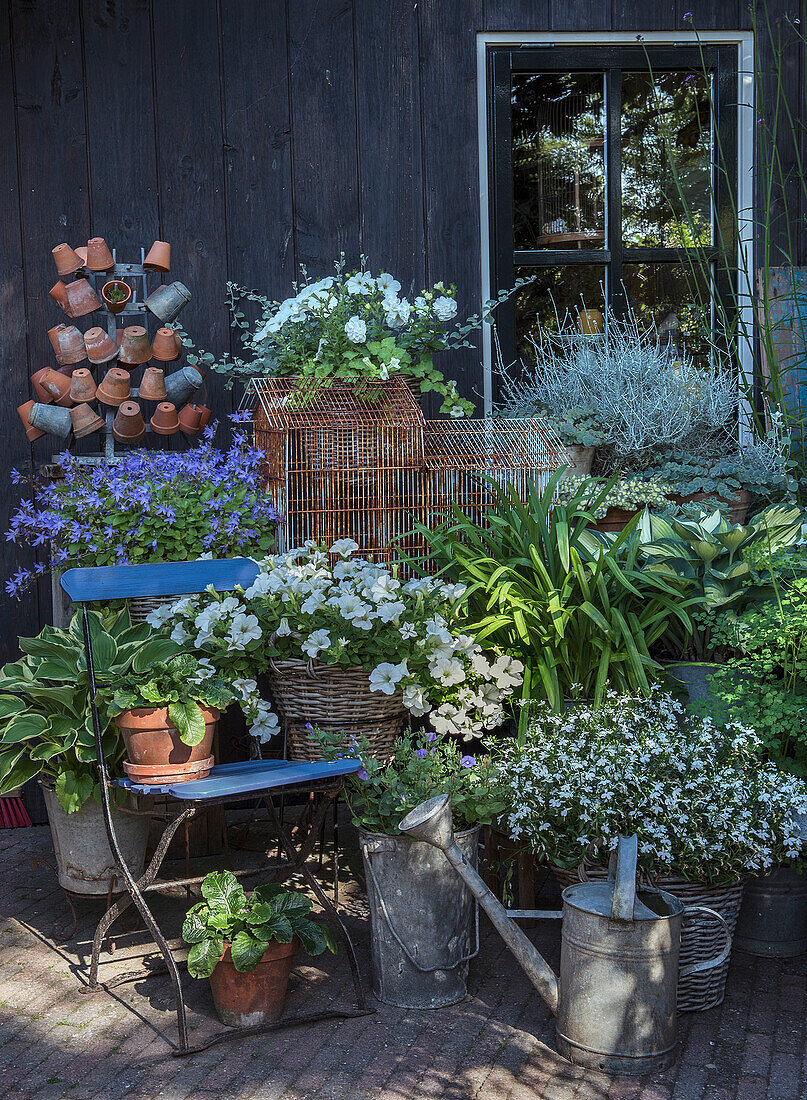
(179, 578)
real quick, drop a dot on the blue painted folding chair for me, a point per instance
(226, 783)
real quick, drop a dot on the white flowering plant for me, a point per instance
(323, 604)
(703, 804)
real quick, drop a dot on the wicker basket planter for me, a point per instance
(333, 698)
(701, 937)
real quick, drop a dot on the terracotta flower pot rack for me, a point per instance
(69, 399)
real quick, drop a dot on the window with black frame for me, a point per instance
(610, 179)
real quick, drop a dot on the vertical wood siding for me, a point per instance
(254, 135)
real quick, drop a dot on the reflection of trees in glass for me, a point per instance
(672, 300)
(664, 116)
(554, 300)
(558, 174)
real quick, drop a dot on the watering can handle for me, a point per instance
(625, 882)
(707, 964)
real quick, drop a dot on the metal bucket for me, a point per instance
(424, 923)
(773, 917)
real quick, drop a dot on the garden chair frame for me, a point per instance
(228, 783)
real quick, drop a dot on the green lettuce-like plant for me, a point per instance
(182, 684)
(45, 718)
(248, 923)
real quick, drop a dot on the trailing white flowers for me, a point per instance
(701, 801)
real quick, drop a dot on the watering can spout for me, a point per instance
(431, 822)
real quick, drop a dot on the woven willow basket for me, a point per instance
(333, 698)
(702, 937)
(140, 607)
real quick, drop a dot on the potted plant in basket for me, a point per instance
(349, 646)
(167, 713)
(420, 916)
(246, 943)
(46, 730)
(708, 812)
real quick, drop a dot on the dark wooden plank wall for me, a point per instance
(255, 135)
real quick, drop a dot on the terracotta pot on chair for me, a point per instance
(82, 386)
(68, 344)
(165, 420)
(257, 997)
(112, 305)
(115, 387)
(66, 260)
(99, 258)
(101, 348)
(166, 345)
(85, 420)
(32, 432)
(134, 346)
(128, 426)
(56, 385)
(159, 257)
(154, 751)
(152, 385)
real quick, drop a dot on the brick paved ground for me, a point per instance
(497, 1045)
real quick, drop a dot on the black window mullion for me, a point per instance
(614, 293)
(501, 189)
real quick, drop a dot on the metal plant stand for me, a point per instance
(226, 784)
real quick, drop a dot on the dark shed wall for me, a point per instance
(254, 135)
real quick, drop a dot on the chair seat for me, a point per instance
(246, 777)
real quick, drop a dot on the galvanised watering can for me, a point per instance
(615, 999)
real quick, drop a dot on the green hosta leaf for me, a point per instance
(247, 951)
(204, 956)
(224, 893)
(22, 770)
(46, 751)
(194, 928)
(10, 705)
(54, 669)
(8, 760)
(23, 728)
(104, 652)
(73, 790)
(314, 937)
(155, 652)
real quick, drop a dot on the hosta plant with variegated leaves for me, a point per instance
(248, 923)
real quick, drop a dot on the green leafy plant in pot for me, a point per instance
(246, 943)
(46, 730)
(167, 711)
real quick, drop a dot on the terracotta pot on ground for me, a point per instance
(158, 257)
(56, 386)
(99, 258)
(66, 260)
(152, 384)
(32, 432)
(77, 298)
(736, 505)
(50, 419)
(68, 343)
(152, 742)
(615, 519)
(85, 421)
(166, 345)
(134, 346)
(100, 345)
(257, 997)
(115, 387)
(165, 420)
(190, 419)
(128, 426)
(167, 301)
(116, 306)
(82, 386)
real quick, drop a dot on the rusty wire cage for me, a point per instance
(357, 459)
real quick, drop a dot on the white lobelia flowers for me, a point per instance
(405, 634)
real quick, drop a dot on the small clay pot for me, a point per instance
(81, 252)
(50, 419)
(152, 385)
(257, 996)
(152, 741)
(82, 386)
(99, 258)
(128, 426)
(57, 386)
(43, 395)
(32, 432)
(167, 301)
(134, 346)
(165, 420)
(68, 343)
(111, 305)
(100, 345)
(207, 416)
(159, 257)
(77, 298)
(115, 387)
(85, 420)
(166, 345)
(190, 419)
(66, 260)
(180, 385)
